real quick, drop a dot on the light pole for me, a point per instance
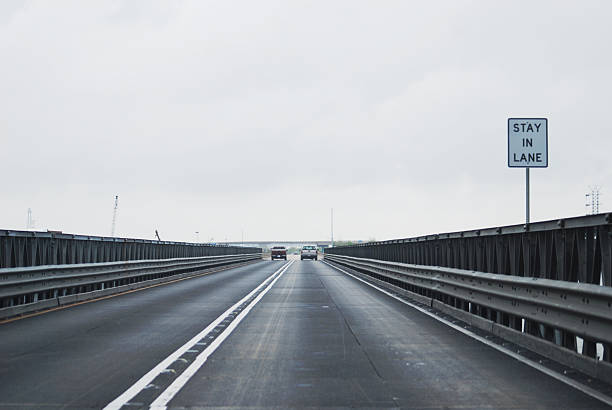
(332, 227)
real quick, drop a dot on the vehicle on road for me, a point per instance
(309, 252)
(279, 252)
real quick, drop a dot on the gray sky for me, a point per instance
(228, 116)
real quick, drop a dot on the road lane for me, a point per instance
(85, 356)
(320, 338)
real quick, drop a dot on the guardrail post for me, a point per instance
(606, 254)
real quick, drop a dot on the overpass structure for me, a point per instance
(506, 317)
(269, 244)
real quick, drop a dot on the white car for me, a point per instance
(308, 252)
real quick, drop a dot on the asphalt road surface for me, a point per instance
(312, 337)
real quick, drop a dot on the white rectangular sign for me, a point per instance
(527, 142)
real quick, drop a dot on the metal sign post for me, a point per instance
(527, 148)
(527, 194)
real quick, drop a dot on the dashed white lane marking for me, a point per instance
(145, 380)
(564, 379)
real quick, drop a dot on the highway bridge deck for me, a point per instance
(317, 338)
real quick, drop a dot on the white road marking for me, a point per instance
(564, 379)
(145, 380)
(168, 394)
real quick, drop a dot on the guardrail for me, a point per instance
(577, 250)
(580, 309)
(32, 288)
(25, 248)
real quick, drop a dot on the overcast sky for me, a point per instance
(225, 117)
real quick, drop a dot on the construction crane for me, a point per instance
(115, 215)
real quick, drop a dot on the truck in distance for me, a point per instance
(278, 252)
(309, 252)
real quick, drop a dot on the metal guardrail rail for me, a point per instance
(576, 250)
(32, 285)
(25, 248)
(582, 308)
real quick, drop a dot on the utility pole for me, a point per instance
(115, 215)
(332, 227)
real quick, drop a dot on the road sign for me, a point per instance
(527, 148)
(527, 142)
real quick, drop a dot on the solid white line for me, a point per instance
(145, 380)
(564, 379)
(168, 394)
